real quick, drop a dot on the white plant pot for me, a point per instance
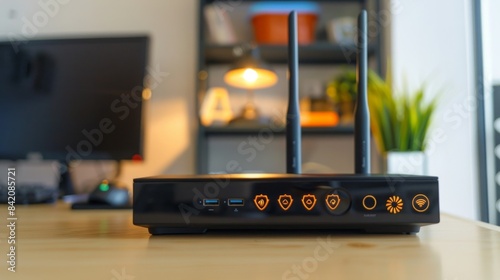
(414, 163)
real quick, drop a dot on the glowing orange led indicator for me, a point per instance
(369, 202)
(285, 201)
(332, 201)
(309, 200)
(394, 204)
(261, 201)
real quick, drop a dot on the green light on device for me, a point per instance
(104, 187)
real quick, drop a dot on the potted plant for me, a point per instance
(342, 91)
(399, 124)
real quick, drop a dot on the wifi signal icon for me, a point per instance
(420, 203)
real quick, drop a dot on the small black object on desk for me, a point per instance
(106, 196)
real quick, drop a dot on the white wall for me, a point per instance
(170, 117)
(491, 74)
(432, 42)
(491, 37)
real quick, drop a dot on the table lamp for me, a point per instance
(250, 72)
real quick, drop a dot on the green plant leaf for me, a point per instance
(375, 117)
(398, 122)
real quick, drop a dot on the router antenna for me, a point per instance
(362, 113)
(293, 130)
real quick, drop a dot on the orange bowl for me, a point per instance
(273, 28)
(314, 119)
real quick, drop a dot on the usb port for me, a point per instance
(235, 202)
(210, 202)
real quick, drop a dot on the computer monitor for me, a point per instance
(73, 98)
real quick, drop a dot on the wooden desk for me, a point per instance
(54, 242)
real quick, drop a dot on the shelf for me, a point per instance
(318, 53)
(232, 131)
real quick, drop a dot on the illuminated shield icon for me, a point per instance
(332, 201)
(261, 201)
(309, 200)
(285, 201)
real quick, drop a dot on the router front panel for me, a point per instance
(300, 202)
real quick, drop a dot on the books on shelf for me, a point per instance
(219, 25)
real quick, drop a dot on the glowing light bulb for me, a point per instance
(250, 75)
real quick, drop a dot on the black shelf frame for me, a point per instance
(235, 131)
(316, 53)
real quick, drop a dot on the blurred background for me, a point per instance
(192, 118)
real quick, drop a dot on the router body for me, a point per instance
(370, 203)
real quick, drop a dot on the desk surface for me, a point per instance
(54, 242)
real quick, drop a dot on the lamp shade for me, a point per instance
(249, 72)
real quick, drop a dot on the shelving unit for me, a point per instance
(321, 52)
(232, 131)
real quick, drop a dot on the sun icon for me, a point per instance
(394, 204)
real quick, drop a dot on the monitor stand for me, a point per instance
(65, 183)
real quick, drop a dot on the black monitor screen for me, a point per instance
(72, 99)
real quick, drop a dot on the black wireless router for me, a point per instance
(360, 201)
